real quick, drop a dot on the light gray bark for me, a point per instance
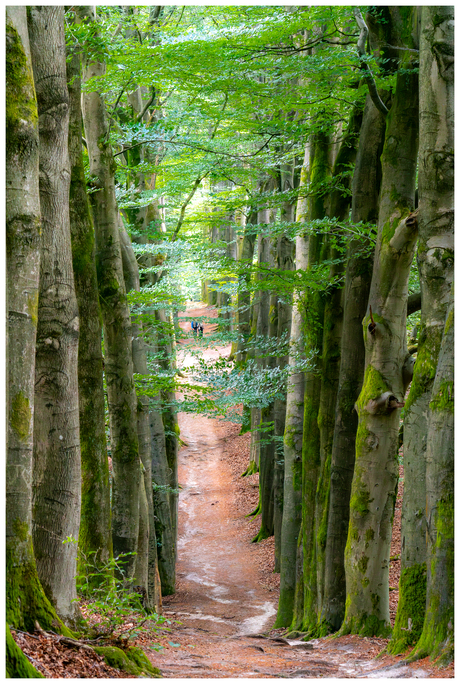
(57, 473)
(376, 470)
(293, 433)
(23, 591)
(435, 262)
(121, 393)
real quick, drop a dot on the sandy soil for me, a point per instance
(227, 592)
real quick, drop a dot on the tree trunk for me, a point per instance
(95, 527)
(365, 191)
(339, 206)
(284, 262)
(244, 294)
(293, 432)
(25, 599)
(146, 565)
(435, 262)
(375, 476)
(116, 324)
(311, 458)
(266, 327)
(437, 638)
(57, 472)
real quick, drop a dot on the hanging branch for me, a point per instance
(361, 47)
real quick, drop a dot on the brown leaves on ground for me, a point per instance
(55, 660)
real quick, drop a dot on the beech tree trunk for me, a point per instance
(339, 206)
(116, 324)
(25, 599)
(311, 457)
(365, 191)
(57, 471)
(284, 262)
(293, 432)
(375, 476)
(266, 327)
(146, 565)
(437, 638)
(435, 262)
(95, 535)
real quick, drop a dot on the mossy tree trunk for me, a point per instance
(284, 262)
(266, 328)
(121, 393)
(293, 431)
(365, 191)
(95, 536)
(437, 638)
(166, 347)
(146, 567)
(338, 208)
(375, 476)
(435, 262)
(320, 171)
(25, 599)
(57, 471)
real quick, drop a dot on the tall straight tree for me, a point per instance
(25, 599)
(435, 261)
(320, 170)
(293, 432)
(365, 191)
(338, 209)
(57, 472)
(387, 359)
(121, 393)
(95, 528)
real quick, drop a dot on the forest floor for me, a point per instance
(227, 592)
(223, 611)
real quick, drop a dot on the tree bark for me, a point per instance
(435, 263)
(375, 476)
(95, 536)
(116, 324)
(146, 565)
(266, 327)
(437, 638)
(284, 262)
(25, 599)
(57, 471)
(365, 191)
(311, 456)
(339, 206)
(293, 432)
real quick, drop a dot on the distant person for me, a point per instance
(200, 330)
(195, 327)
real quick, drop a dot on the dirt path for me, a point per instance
(220, 601)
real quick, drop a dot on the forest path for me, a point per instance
(219, 600)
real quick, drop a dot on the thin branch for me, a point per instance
(140, 116)
(196, 147)
(361, 47)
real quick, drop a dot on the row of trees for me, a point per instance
(272, 155)
(71, 334)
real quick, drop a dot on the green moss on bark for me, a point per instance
(133, 661)
(411, 608)
(25, 598)
(20, 416)
(17, 664)
(21, 106)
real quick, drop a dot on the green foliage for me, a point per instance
(110, 599)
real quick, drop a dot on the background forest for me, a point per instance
(293, 167)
